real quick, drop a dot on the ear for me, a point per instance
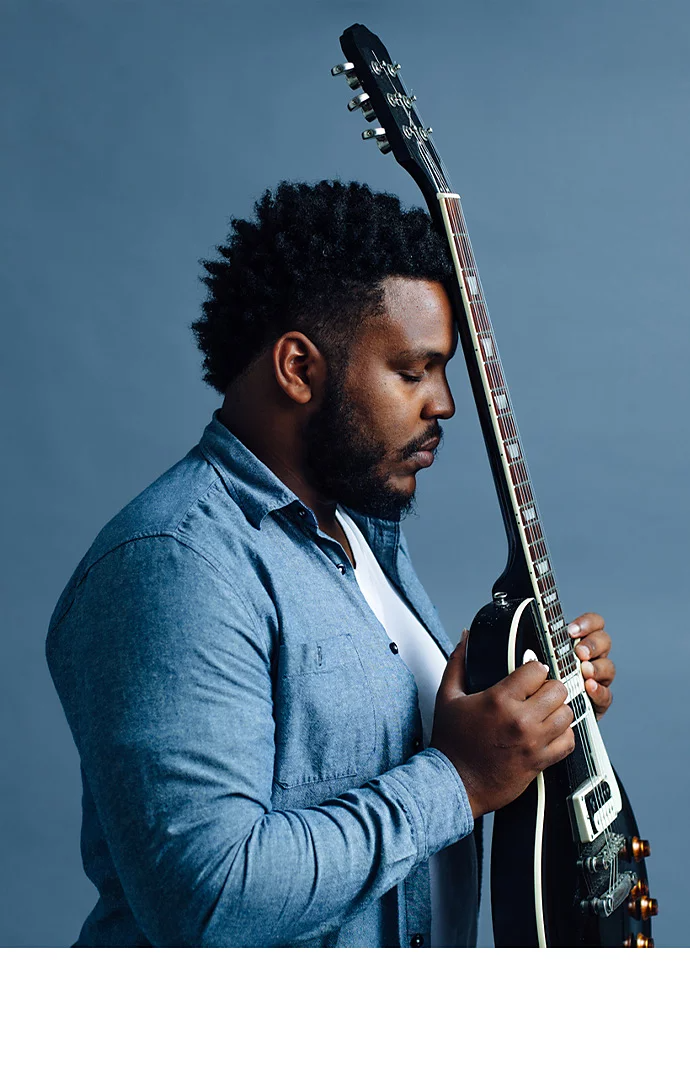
(299, 367)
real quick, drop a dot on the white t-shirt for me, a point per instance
(424, 658)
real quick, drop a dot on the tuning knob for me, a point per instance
(643, 908)
(640, 848)
(636, 848)
(638, 941)
(345, 68)
(363, 102)
(379, 135)
(639, 889)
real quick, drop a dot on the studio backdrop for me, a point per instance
(132, 131)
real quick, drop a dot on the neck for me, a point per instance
(278, 445)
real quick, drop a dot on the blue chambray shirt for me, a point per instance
(247, 737)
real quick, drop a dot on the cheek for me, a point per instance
(390, 399)
(386, 409)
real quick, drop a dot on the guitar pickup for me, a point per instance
(594, 807)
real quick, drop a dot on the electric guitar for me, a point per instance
(567, 863)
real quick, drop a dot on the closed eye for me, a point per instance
(409, 377)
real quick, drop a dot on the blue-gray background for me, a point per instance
(133, 130)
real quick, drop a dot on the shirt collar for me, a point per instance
(254, 487)
(258, 491)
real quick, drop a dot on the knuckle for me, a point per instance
(519, 727)
(555, 692)
(495, 698)
(563, 719)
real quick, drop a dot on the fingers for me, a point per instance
(585, 624)
(595, 645)
(558, 749)
(600, 696)
(557, 722)
(526, 680)
(602, 671)
(550, 697)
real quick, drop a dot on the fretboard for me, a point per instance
(517, 485)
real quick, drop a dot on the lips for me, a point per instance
(424, 455)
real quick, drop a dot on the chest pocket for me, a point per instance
(325, 719)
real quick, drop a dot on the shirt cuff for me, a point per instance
(434, 797)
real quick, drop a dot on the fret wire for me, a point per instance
(509, 435)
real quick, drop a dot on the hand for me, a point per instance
(501, 738)
(593, 650)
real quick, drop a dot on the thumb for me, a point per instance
(453, 679)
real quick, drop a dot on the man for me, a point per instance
(275, 747)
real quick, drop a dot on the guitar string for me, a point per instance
(482, 318)
(442, 181)
(481, 315)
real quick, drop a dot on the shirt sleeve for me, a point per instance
(165, 677)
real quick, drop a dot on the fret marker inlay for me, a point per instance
(529, 514)
(541, 567)
(501, 400)
(472, 285)
(513, 450)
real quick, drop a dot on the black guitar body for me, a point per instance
(538, 868)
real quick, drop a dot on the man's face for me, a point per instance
(365, 443)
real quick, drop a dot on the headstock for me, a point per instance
(383, 99)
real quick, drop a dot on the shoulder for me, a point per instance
(183, 523)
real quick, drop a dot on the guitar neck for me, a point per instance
(529, 570)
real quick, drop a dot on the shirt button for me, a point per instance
(417, 941)
(340, 567)
(301, 513)
(394, 648)
(416, 744)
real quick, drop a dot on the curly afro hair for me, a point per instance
(313, 260)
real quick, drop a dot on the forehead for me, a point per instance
(417, 316)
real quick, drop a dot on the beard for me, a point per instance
(344, 458)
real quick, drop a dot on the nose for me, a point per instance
(439, 403)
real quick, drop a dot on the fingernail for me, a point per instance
(544, 666)
(587, 669)
(573, 628)
(584, 650)
(592, 685)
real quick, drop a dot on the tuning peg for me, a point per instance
(345, 68)
(379, 135)
(362, 101)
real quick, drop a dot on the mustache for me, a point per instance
(420, 445)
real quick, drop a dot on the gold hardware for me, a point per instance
(638, 941)
(636, 848)
(640, 848)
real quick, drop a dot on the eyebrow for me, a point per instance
(415, 354)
